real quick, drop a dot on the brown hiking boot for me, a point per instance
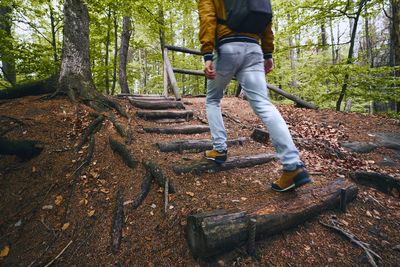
(291, 179)
(217, 156)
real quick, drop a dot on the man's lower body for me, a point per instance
(245, 61)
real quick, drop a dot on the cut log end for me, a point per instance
(260, 135)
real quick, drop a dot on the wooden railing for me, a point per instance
(170, 80)
(169, 72)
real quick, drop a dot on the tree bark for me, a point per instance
(201, 166)
(123, 55)
(385, 183)
(157, 104)
(158, 175)
(6, 51)
(194, 145)
(114, 80)
(189, 129)
(23, 149)
(395, 32)
(40, 87)
(107, 56)
(214, 232)
(53, 32)
(260, 135)
(162, 114)
(75, 75)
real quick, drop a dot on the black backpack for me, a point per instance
(251, 16)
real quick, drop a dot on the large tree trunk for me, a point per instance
(75, 75)
(351, 54)
(123, 55)
(6, 50)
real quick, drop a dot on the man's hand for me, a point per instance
(209, 70)
(268, 65)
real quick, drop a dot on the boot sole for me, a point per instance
(218, 161)
(300, 181)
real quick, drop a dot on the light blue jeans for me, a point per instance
(245, 61)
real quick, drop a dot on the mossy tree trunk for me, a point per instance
(6, 49)
(75, 75)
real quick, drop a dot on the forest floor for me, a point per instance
(50, 215)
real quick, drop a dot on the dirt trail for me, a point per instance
(44, 206)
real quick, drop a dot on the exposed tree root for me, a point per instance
(3, 117)
(159, 177)
(365, 246)
(31, 88)
(89, 156)
(23, 149)
(93, 127)
(384, 183)
(121, 150)
(144, 190)
(117, 126)
(112, 104)
(129, 133)
(118, 223)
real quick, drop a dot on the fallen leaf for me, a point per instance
(4, 251)
(190, 194)
(104, 190)
(33, 169)
(47, 207)
(65, 226)
(58, 200)
(91, 213)
(148, 238)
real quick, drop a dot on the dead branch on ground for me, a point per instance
(365, 246)
(118, 223)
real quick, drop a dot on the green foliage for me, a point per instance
(304, 66)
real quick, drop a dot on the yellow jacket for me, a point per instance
(210, 30)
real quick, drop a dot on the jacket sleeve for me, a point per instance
(208, 25)
(267, 41)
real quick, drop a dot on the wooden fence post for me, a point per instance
(171, 75)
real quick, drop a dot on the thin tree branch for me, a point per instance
(33, 26)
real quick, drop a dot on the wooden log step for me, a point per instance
(169, 121)
(164, 114)
(151, 98)
(187, 129)
(158, 104)
(215, 232)
(194, 145)
(204, 165)
(384, 183)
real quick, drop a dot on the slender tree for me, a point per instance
(123, 55)
(107, 56)
(350, 56)
(114, 78)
